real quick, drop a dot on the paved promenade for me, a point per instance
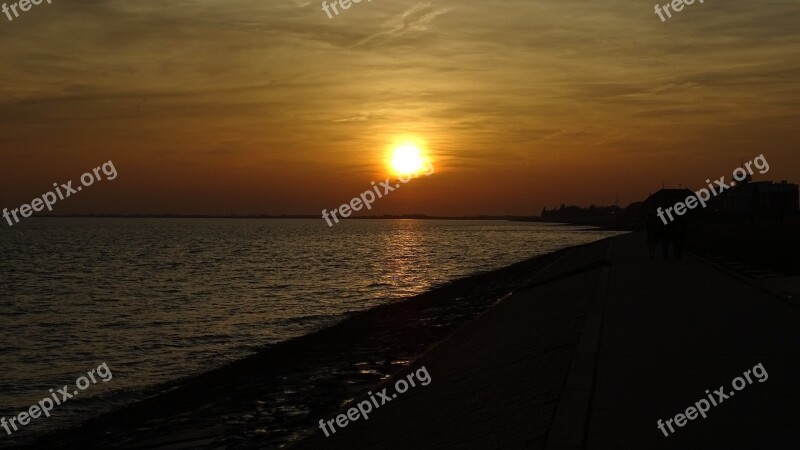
(601, 346)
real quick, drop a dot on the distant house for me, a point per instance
(665, 198)
(760, 198)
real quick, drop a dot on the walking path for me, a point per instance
(602, 345)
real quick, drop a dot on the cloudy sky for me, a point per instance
(267, 106)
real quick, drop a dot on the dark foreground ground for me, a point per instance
(759, 246)
(603, 347)
(273, 397)
(763, 251)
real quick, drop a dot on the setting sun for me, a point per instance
(407, 159)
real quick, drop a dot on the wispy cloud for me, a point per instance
(416, 19)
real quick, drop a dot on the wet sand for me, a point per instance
(273, 397)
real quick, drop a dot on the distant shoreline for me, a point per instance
(531, 219)
(287, 216)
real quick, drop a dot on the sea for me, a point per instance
(161, 299)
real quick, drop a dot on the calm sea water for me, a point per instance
(159, 299)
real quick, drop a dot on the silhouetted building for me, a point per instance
(665, 198)
(593, 215)
(761, 198)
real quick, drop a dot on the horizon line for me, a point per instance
(285, 216)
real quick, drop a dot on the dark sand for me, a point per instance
(278, 394)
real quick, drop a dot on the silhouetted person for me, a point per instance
(653, 228)
(675, 234)
(665, 238)
(679, 236)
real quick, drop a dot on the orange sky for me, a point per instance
(267, 107)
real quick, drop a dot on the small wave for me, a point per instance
(308, 318)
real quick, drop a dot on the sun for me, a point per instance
(407, 159)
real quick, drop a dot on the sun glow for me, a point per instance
(407, 159)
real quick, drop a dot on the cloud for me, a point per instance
(492, 83)
(359, 118)
(418, 18)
